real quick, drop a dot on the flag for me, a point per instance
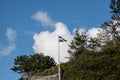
(61, 39)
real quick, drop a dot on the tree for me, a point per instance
(94, 44)
(77, 45)
(29, 65)
(112, 29)
(115, 8)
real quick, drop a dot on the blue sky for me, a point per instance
(18, 27)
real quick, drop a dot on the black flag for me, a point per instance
(61, 39)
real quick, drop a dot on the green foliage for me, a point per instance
(28, 65)
(93, 66)
(94, 44)
(77, 45)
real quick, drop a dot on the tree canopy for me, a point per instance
(28, 65)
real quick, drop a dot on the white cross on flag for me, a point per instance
(61, 39)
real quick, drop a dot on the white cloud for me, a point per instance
(81, 30)
(8, 49)
(44, 18)
(93, 32)
(11, 34)
(47, 42)
(4, 51)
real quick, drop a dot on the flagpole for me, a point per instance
(59, 71)
(60, 39)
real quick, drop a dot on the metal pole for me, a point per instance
(59, 71)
